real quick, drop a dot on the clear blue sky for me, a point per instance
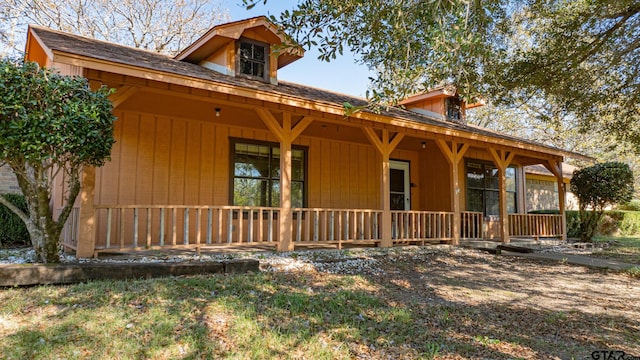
(340, 75)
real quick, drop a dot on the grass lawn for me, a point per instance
(417, 304)
(626, 249)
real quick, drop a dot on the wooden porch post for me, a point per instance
(385, 147)
(454, 155)
(502, 159)
(556, 168)
(87, 216)
(285, 133)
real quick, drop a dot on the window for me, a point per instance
(483, 194)
(253, 59)
(454, 108)
(256, 174)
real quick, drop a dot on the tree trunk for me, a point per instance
(43, 229)
(589, 221)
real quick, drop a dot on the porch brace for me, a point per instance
(285, 134)
(454, 155)
(385, 147)
(502, 159)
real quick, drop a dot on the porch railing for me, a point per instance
(535, 225)
(144, 227)
(472, 225)
(421, 226)
(336, 226)
(71, 229)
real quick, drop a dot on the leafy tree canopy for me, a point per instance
(50, 125)
(158, 25)
(581, 54)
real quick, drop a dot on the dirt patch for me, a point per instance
(479, 305)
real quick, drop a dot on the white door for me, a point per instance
(400, 185)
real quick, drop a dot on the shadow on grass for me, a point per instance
(402, 314)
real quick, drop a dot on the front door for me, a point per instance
(399, 185)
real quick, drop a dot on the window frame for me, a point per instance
(453, 108)
(485, 189)
(272, 145)
(267, 58)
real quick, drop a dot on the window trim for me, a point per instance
(232, 154)
(267, 59)
(485, 189)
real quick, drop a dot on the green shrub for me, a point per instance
(13, 232)
(629, 225)
(573, 223)
(626, 223)
(633, 205)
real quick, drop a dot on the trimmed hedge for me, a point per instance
(625, 223)
(13, 232)
(633, 205)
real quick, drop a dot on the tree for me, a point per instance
(550, 124)
(598, 186)
(50, 126)
(580, 54)
(157, 25)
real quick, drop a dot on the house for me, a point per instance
(213, 150)
(542, 188)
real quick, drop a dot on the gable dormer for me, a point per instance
(441, 103)
(243, 48)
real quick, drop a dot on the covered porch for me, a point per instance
(198, 167)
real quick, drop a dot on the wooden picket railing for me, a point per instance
(421, 226)
(145, 227)
(535, 225)
(336, 226)
(471, 225)
(71, 228)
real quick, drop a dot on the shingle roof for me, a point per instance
(567, 170)
(101, 50)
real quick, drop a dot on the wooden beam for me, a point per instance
(271, 122)
(556, 168)
(502, 159)
(454, 154)
(286, 213)
(87, 216)
(375, 140)
(301, 126)
(385, 145)
(122, 94)
(395, 141)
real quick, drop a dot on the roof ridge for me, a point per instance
(84, 37)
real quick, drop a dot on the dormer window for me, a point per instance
(454, 108)
(253, 59)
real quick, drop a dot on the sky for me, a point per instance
(341, 75)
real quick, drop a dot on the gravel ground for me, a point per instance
(352, 261)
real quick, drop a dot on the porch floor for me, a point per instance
(221, 250)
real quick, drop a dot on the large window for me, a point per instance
(253, 59)
(256, 174)
(483, 194)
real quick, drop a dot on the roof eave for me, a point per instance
(307, 104)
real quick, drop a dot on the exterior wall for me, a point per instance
(435, 176)
(542, 194)
(161, 160)
(8, 182)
